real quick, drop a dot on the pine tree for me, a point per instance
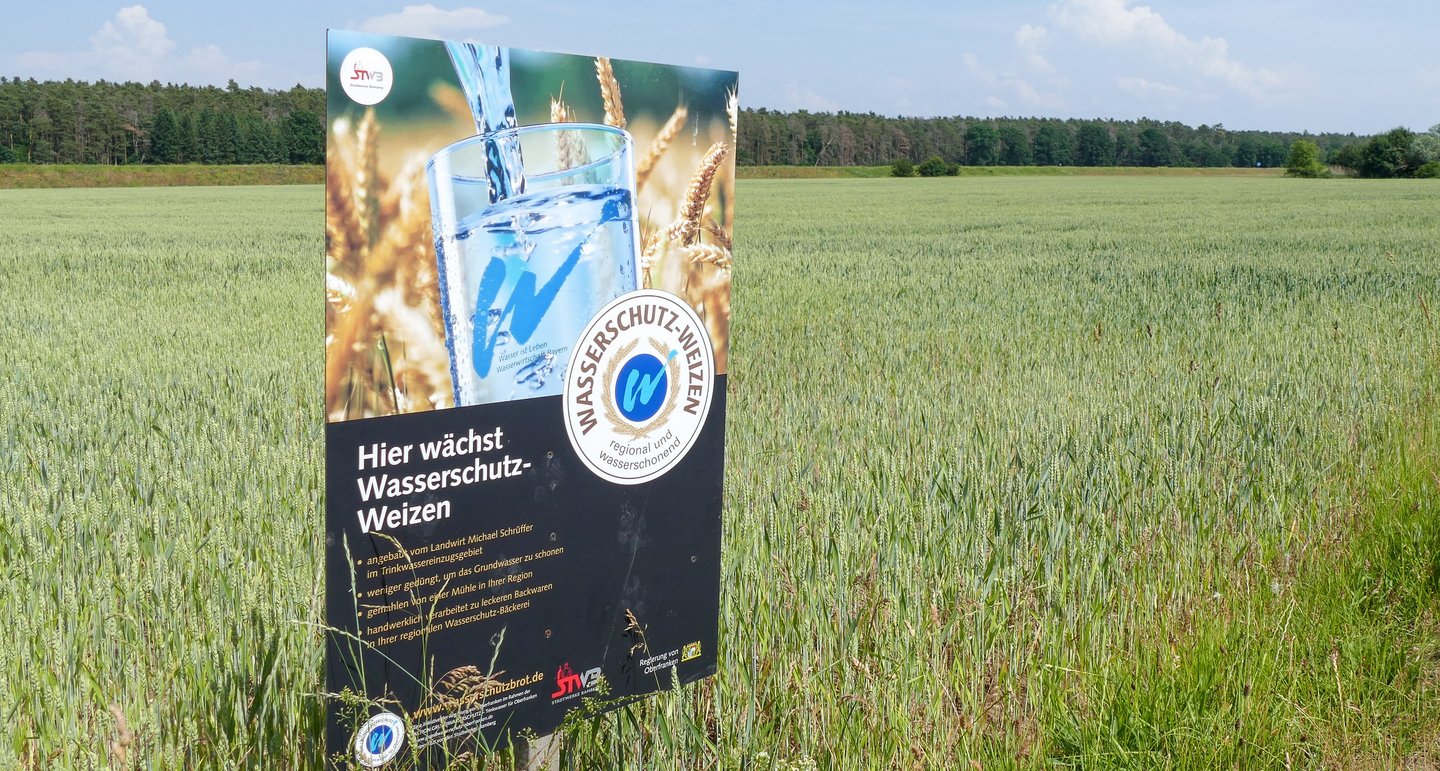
(189, 143)
(304, 137)
(164, 137)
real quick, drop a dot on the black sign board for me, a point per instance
(527, 335)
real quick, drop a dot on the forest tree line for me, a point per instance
(126, 123)
(803, 138)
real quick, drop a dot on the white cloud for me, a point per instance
(1013, 88)
(208, 64)
(1146, 89)
(1112, 22)
(804, 98)
(1030, 35)
(134, 46)
(902, 95)
(1118, 23)
(429, 21)
(1030, 40)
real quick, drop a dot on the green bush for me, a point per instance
(902, 168)
(933, 167)
(1385, 156)
(1304, 161)
(1429, 170)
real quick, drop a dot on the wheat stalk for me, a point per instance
(693, 205)
(367, 183)
(343, 228)
(686, 226)
(610, 92)
(452, 101)
(402, 220)
(124, 739)
(718, 256)
(385, 347)
(719, 234)
(732, 111)
(464, 686)
(662, 140)
(570, 151)
(634, 629)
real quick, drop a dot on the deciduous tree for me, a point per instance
(982, 145)
(1304, 160)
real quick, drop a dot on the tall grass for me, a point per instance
(160, 477)
(1099, 472)
(58, 175)
(1008, 433)
(875, 172)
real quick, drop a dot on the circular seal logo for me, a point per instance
(378, 741)
(638, 386)
(366, 76)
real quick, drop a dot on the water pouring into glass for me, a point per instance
(535, 230)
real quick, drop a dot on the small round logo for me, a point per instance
(366, 76)
(642, 386)
(378, 741)
(638, 386)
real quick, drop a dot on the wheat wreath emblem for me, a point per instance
(612, 414)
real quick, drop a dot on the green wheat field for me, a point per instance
(1022, 472)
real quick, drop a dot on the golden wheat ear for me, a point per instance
(662, 140)
(693, 206)
(686, 227)
(559, 111)
(367, 175)
(343, 230)
(385, 346)
(570, 150)
(452, 101)
(610, 93)
(732, 111)
(718, 256)
(719, 234)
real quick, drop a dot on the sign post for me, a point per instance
(528, 266)
(542, 754)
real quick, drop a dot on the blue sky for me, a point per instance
(1250, 64)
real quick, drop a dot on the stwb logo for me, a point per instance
(356, 73)
(365, 76)
(569, 683)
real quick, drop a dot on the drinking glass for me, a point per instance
(535, 231)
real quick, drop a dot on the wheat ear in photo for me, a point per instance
(385, 344)
(685, 221)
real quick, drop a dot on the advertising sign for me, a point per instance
(528, 268)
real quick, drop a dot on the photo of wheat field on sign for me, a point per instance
(390, 348)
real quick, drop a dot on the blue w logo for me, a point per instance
(379, 739)
(641, 386)
(640, 380)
